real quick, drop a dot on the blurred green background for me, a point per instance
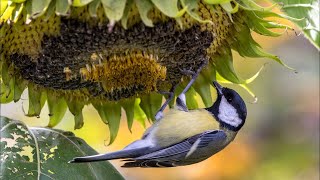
(280, 139)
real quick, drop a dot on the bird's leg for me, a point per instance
(170, 94)
(181, 99)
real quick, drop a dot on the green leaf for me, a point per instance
(224, 64)
(252, 5)
(19, 87)
(110, 114)
(250, 80)
(7, 12)
(62, 7)
(202, 87)
(247, 47)
(209, 73)
(191, 8)
(263, 13)
(41, 153)
(144, 6)
(17, 1)
(50, 11)
(270, 25)
(216, 1)
(169, 7)
(36, 100)
(139, 115)
(171, 103)
(262, 26)
(309, 11)
(3, 6)
(39, 7)
(75, 107)
(124, 19)
(243, 83)
(128, 106)
(79, 3)
(57, 108)
(5, 77)
(16, 13)
(227, 6)
(114, 9)
(93, 7)
(7, 92)
(144, 104)
(244, 86)
(192, 102)
(3, 31)
(150, 104)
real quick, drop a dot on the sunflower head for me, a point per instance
(119, 54)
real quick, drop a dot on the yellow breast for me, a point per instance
(178, 125)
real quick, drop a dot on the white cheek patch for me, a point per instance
(228, 114)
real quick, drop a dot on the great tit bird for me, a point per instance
(182, 137)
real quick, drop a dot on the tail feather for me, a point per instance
(130, 153)
(145, 163)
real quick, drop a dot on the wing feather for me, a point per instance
(168, 157)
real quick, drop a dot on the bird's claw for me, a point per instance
(170, 94)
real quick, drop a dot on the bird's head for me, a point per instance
(229, 108)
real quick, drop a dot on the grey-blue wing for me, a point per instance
(197, 147)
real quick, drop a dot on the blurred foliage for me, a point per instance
(309, 11)
(42, 153)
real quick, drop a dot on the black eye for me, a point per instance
(229, 97)
(229, 94)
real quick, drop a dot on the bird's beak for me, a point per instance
(218, 87)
